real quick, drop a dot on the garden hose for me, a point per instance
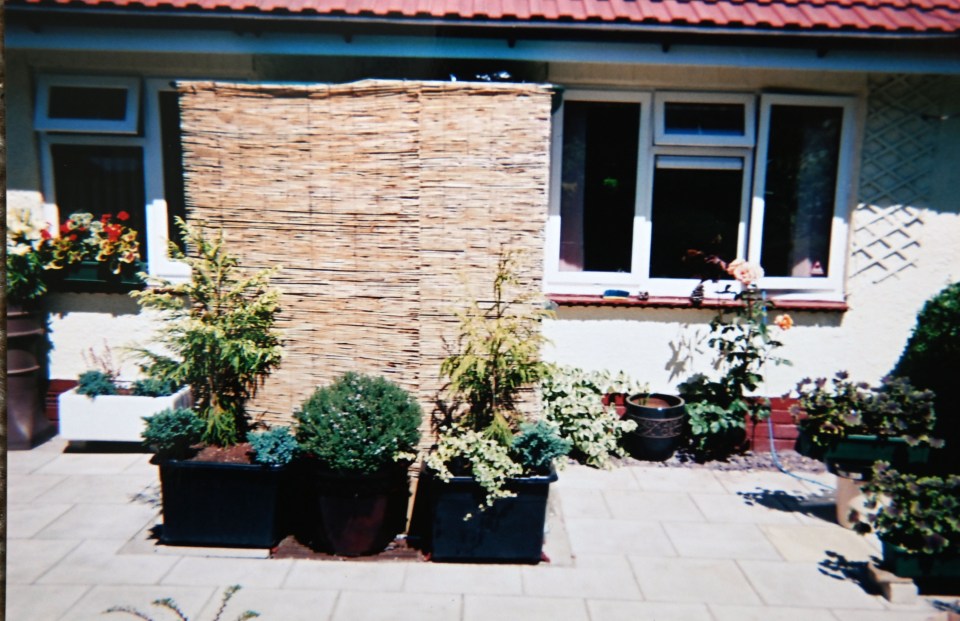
(776, 461)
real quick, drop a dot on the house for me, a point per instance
(377, 149)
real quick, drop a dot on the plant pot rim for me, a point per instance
(632, 400)
(534, 479)
(217, 465)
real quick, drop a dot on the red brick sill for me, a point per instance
(561, 299)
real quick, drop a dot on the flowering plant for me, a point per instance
(27, 256)
(84, 238)
(718, 409)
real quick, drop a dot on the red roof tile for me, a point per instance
(905, 16)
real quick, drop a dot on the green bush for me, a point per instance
(275, 446)
(359, 424)
(537, 446)
(172, 432)
(95, 384)
(153, 387)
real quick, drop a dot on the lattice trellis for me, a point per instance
(898, 157)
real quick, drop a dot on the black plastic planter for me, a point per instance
(217, 504)
(511, 531)
(853, 456)
(921, 566)
(660, 422)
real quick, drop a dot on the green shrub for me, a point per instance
(172, 432)
(537, 446)
(572, 401)
(96, 383)
(276, 446)
(153, 387)
(219, 330)
(359, 424)
(920, 514)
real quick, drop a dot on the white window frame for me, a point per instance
(158, 262)
(839, 232)
(661, 137)
(128, 125)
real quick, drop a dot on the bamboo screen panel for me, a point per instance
(385, 203)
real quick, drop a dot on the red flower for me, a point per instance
(113, 231)
(73, 237)
(45, 234)
(105, 218)
(65, 228)
(123, 216)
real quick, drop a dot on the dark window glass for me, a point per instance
(704, 118)
(81, 102)
(599, 185)
(800, 189)
(693, 209)
(172, 163)
(101, 179)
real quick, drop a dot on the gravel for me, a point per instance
(790, 460)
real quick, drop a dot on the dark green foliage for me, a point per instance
(152, 387)
(359, 424)
(923, 514)
(538, 445)
(219, 327)
(96, 383)
(894, 408)
(276, 446)
(172, 432)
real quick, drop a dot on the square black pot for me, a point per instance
(216, 504)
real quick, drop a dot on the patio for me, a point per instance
(640, 542)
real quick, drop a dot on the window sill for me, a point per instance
(684, 302)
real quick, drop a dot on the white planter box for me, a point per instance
(112, 418)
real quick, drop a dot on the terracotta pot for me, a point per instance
(26, 422)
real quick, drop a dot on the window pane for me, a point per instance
(801, 181)
(704, 118)
(79, 102)
(598, 186)
(693, 209)
(100, 179)
(173, 190)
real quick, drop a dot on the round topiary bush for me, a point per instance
(359, 424)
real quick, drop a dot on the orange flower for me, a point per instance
(784, 322)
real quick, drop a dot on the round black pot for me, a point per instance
(26, 423)
(660, 420)
(357, 514)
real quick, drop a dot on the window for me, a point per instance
(641, 179)
(104, 149)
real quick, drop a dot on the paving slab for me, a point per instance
(379, 606)
(487, 607)
(662, 479)
(926, 614)
(26, 520)
(588, 581)
(91, 463)
(582, 503)
(727, 508)
(810, 543)
(685, 580)
(24, 462)
(97, 489)
(577, 476)
(274, 604)
(26, 489)
(723, 612)
(463, 578)
(356, 576)
(99, 521)
(752, 481)
(655, 506)
(261, 573)
(806, 585)
(598, 536)
(96, 562)
(28, 559)
(190, 600)
(727, 541)
(612, 610)
(42, 603)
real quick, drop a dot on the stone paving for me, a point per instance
(640, 542)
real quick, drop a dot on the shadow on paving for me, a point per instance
(820, 506)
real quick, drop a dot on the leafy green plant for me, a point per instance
(462, 450)
(219, 330)
(172, 606)
(153, 387)
(537, 446)
(172, 432)
(27, 257)
(572, 400)
(920, 514)
(276, 446)
(95, 384)
(827, 412)
(717, 409)
(359, 424)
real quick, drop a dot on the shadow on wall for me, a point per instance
(116, 304)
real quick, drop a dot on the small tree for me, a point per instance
(219, 332)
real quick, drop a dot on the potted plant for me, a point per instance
(96, 254)
(718, 409)
(917, 518)
(218, 338)
(577, 403)
(659, 424)
(485, 486)
(850, 425)
(358, 436)
(103, 408)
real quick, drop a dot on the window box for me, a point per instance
(112, 418)
(96, 277)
